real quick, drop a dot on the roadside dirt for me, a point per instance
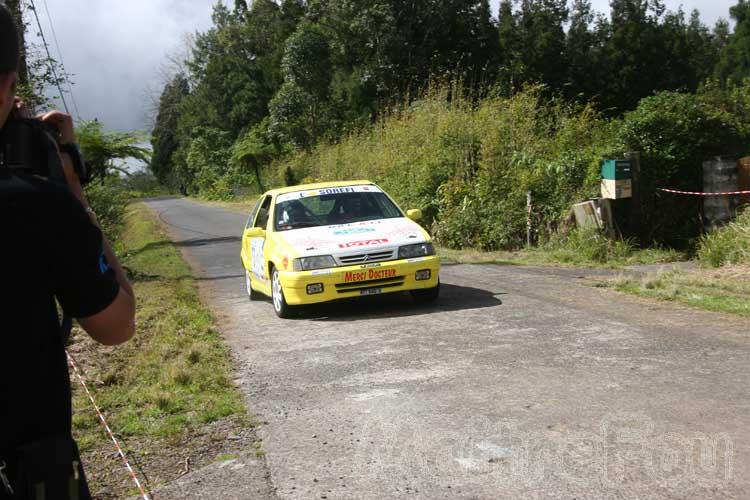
(156, 461)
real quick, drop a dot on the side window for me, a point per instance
(253, 212)
(262, 218)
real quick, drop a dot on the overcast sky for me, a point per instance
(114, 49)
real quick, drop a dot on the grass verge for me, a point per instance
(243, 205)
(578, 249)
(725, 290)
(175, 377)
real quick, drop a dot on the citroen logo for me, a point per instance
(367, 257)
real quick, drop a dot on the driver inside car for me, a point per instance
(294, 214)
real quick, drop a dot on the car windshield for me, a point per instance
(328, 207)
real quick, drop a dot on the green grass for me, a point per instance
(580, 248)
(723, 285)
(176, 374)
(243, 204)
(725, 290)
(729, 244)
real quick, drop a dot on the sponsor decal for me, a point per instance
(257, 256)
(285, 262)
(363, 243)
(354, 230)
(369, 274)
(296, 195)
(324, 192)
(367, 266)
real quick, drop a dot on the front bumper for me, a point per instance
(356, 281)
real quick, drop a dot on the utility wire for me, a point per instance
(49, 58)
(62, 63)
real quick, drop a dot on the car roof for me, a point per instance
(318, 185)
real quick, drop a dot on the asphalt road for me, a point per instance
(519, 383)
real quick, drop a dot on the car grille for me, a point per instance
(364, 285)
(363, 258)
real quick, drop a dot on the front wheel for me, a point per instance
(251, 294)
(426, 295)
(280, 307)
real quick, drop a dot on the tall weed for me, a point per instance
(727, 245)
(469, 165)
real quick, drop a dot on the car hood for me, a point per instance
(359, 237)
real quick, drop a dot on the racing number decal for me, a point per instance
(256, 252)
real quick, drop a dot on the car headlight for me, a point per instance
(418, 250)
(317, 262)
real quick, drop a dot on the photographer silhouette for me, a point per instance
(51, 250)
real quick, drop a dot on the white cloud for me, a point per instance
(114, 50)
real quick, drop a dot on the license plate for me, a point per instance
(371, 291)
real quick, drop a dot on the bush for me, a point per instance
(108, 199)
(588, 245)
(727, 245)
(675, 133)
(469, 165)
(143, 184)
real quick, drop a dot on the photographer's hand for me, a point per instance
(63, 123)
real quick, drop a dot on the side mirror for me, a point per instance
(255, 232)
(414, 214)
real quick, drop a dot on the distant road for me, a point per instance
(520, 383)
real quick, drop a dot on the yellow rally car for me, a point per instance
(320, 242)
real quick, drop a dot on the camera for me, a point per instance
(28, 146)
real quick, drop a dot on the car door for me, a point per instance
(254, 239)
(245, 252)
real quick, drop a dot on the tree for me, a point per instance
(532, 44)
(298, 111)
(254, 149)
(510, 67)
(734, 65)
(102, 150)
(164, 138)
(634, 52)
(543, 40)
(585, 53)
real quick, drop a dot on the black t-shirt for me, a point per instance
(49, 249)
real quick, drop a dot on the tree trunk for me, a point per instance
(15, 8)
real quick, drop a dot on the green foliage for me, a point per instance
(675, 133)
(176, 373)
(164, 139)
(251, 150)
(290, 91)
(583, 246)
(108, 199)
(727, 245)
(734, 65)
(299, 112)
(207, 164)
(710, 290)
(102, 149)
(469, 167)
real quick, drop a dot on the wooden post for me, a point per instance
(528, 218)
(635, 222)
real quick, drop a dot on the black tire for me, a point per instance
(426, 295)
(251, 294)
(280, 307)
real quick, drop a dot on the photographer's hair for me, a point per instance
(9, 42)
